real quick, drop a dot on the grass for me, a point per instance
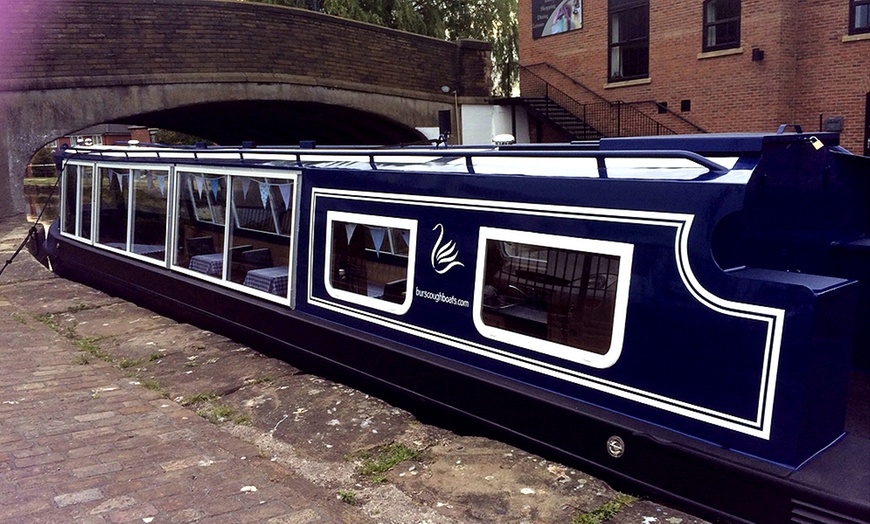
(153, 385)
(604, 512)
(218, 414)
(198, 398)
(348, 497)
(213, 412)
(48, 320)
(377, 461)
(89, 345)
(76, 308)
(129, 363)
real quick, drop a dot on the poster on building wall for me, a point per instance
(550, 17)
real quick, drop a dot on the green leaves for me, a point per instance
(493, 21)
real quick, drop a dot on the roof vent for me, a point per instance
(504, 139)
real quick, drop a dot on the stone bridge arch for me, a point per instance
(227, 71)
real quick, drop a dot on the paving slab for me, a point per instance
(111, 413)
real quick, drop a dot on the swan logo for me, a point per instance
(444, 255)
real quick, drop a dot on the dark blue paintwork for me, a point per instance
(747, 300)
(676, 347)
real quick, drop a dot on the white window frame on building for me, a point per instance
(628, 39)
(859, 17)
(89, 140)
(721, 25)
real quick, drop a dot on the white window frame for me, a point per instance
(377, 221)
(274, 211)
(77, 227)
(131, 202)
(289, 175)
(621, 250)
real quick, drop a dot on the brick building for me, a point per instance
(104, 134)
(692, 65)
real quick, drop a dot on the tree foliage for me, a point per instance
(166, 136)
(493, 21)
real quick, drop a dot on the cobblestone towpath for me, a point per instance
(110, 413)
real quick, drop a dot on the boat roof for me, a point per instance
(713, 143)
(711, 157)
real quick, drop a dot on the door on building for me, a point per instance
(867, 126)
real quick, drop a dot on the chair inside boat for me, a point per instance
(555, 294)
(200, 246)
(249, 259)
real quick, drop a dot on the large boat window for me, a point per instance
(561, 296)
(148, 237)
(208, 196)
(201, 215)
(78, 191)
(263, 204)
(86, 189)
(370, 260)
(70, 199)
(133, 210)
(113, 208)
(236, 227)
(262, 210)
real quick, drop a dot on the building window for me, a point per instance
(629, 39)
(721, 24)
(87, 141)
(859, 17)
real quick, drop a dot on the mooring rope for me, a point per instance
(32, 230)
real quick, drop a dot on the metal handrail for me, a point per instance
(670, 112)
(369, 155)
(565, 76)
(594, 115)
(634, 123)
(588, 90)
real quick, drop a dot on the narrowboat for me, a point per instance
(684, 316)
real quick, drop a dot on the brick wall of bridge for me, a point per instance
(69, 64)
(98, 42)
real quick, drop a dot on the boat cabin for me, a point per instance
(703, 298)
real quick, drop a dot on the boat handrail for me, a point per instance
(369, 155)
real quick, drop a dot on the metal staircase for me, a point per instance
(547, 109)
(593, 118)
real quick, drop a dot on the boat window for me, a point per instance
(70, 199)
(113, 207)
(132, 210)
(263, 204)
(370, 260)
(148, 236)
(262, 210)
(201, 216)
(562, 296)
(77, 190)
(208, 196)
(86, 190)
